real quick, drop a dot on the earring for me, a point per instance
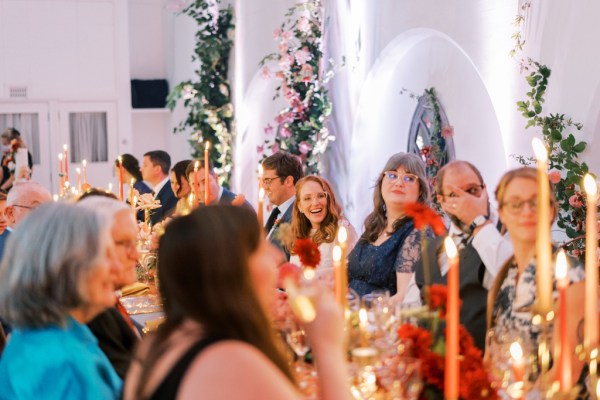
(384, 210)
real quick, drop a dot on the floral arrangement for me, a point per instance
(208, 97)
(566, 171)
(301, 125)
(424, 216)
(308, 252)
(429, 345)
(433, 155)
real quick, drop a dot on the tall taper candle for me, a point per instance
(543, 240)
(564, 362)
(84, 164)
(196, 184)
(452, 322)
(590, 335)
(66, 153)
(78, 179)
(121, 178)
(206, 175)
(61, 175)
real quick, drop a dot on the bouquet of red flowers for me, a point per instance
(429, 345)
(308, 252)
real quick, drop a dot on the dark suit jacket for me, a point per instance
(115, 337)
(228, 196)
(168, 203)
(285, 219)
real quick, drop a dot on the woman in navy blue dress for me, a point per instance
(385, 256)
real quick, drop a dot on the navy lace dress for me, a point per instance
(373, 267)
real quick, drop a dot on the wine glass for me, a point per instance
(296, 338)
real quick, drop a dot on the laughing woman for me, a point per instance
(317, 215)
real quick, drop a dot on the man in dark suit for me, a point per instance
(482, 248)
(281, 171)
(217, 193)
(155, 170)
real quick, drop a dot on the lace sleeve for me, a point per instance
(409, 254)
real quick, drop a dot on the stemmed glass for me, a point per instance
(295, 337)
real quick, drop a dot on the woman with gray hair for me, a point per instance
(117, 336)
(385, 256)
(57, 274)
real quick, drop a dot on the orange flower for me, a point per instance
(308, 252)
(424, 216)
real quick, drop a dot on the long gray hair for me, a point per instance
(46, 262)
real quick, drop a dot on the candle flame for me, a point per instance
(450, 247)
(132, 181)
(589, 183)
(65, 148)
(342, 235)
(84, 162)
(110, 186)
(196, 165)
(363, 317)
(135, 200)
(516, 351)
(60, 156)
(261, 194)
(78, 170)
(260, 171)
(207, 146)
(561, 265)
(67, 184)
(337, 253)
(120, 158)
(540, 151)
(55, 197)
(598, 390)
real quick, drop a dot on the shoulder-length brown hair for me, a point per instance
(301, 225)
(376, 222)
(201, 257)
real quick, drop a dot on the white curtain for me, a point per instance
(29, 127)
(88, 137)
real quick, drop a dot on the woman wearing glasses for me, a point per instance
(513, 295)
(317, 215)
(385, 256)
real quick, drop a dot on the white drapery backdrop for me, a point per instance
(88, 137)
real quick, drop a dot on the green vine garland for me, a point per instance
(208, 98)
(564, 150)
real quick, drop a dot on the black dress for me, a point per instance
(169, 387)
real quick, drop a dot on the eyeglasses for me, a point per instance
(474, 190)
(516, 206)
(267, 181)
(22, 206)
(309, 198)
(393, 176)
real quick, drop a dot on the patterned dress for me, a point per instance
(514, 304)
(372, 267)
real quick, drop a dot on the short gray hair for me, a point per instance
(104, 205)
(47, 260)
(28, 193)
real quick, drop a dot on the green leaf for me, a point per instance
(555, 135)
(579, 147)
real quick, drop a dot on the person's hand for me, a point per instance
(326, 331)
(465, 206)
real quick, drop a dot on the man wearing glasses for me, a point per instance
(281, 171)
(482, 248)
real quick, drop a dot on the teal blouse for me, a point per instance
(56, 363)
